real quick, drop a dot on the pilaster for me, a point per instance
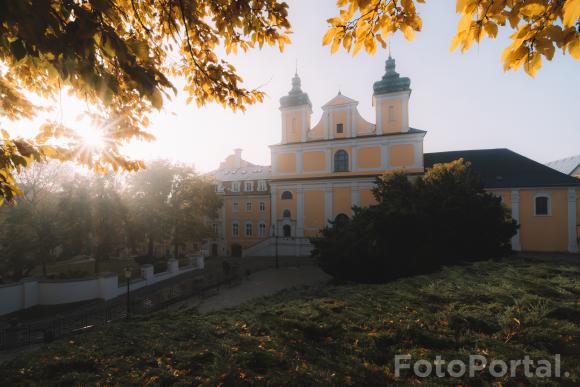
(572, 222)
(516, 244)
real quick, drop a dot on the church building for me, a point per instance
(319, 172)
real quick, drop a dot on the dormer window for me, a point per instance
(248, 186)
(236, 187)
(262, 185)
(339, 128)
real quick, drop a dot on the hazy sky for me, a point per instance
(463, 101)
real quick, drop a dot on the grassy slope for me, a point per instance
(334, 335)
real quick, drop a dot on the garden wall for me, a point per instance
(35, 291)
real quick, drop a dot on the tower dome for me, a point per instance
(295, 97)
(391, 82)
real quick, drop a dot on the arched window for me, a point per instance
(341, 218)
(286, 195)
(341, 161)
(287, 230)
(286, 214)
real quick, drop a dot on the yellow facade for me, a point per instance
(319, 172)
(369, 157)
(401, 155)
(391, 115)
(287, 163)
(314, 161)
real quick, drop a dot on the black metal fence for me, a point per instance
(219, 272)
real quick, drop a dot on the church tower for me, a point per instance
(296, 110)
(391, 101)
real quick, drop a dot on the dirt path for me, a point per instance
(261, 284)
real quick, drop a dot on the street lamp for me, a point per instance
(128, 278)
(275, 234)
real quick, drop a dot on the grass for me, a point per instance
(336, 335)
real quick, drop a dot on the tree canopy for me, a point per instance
(119, 56)
(417, 225)
(540, 26)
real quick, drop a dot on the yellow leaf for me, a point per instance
(491, 29)
(335, 45)
(574, 48)
(408, 33)
(455, 42)
(532, 66)
(532, 9)
(328, 36)
(570, 12)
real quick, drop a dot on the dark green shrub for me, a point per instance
(443, 218)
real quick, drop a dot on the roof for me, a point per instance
(567, 165)
(246, 171)
(503, 168)
(391, 82)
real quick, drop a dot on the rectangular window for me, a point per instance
(262, 185)
(262, 206)
(235, 206)
(542, 205)
(339, 128)
(262, 230)
(219, 188)
(235, 230)
(248, 206)
(248, 229)
(215, 228)
(236, 187)
(248, 186)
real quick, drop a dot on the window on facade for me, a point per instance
(286, 195)
(542, 205)
(235, 206)
(236, 187)
(391, 113)
(262, 206)
(339, 128)
(262, 229)
(215, 228)
(248, 229)
(286, 214)
(249, 186)
(341, 218)
(235, 230)
(293, 125)
(287, 231)
(262, 185)
(341, 161)
(248, 206)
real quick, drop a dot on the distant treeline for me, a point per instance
(62, 213)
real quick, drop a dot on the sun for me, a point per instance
(92, 138)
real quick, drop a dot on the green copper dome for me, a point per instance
(392, 81)
(295, 97)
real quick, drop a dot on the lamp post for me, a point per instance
(275, 234)
(128, 278)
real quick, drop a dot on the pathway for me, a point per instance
(260, 284)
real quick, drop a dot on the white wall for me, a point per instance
(30, 291)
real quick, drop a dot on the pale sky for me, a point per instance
(463, 101)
